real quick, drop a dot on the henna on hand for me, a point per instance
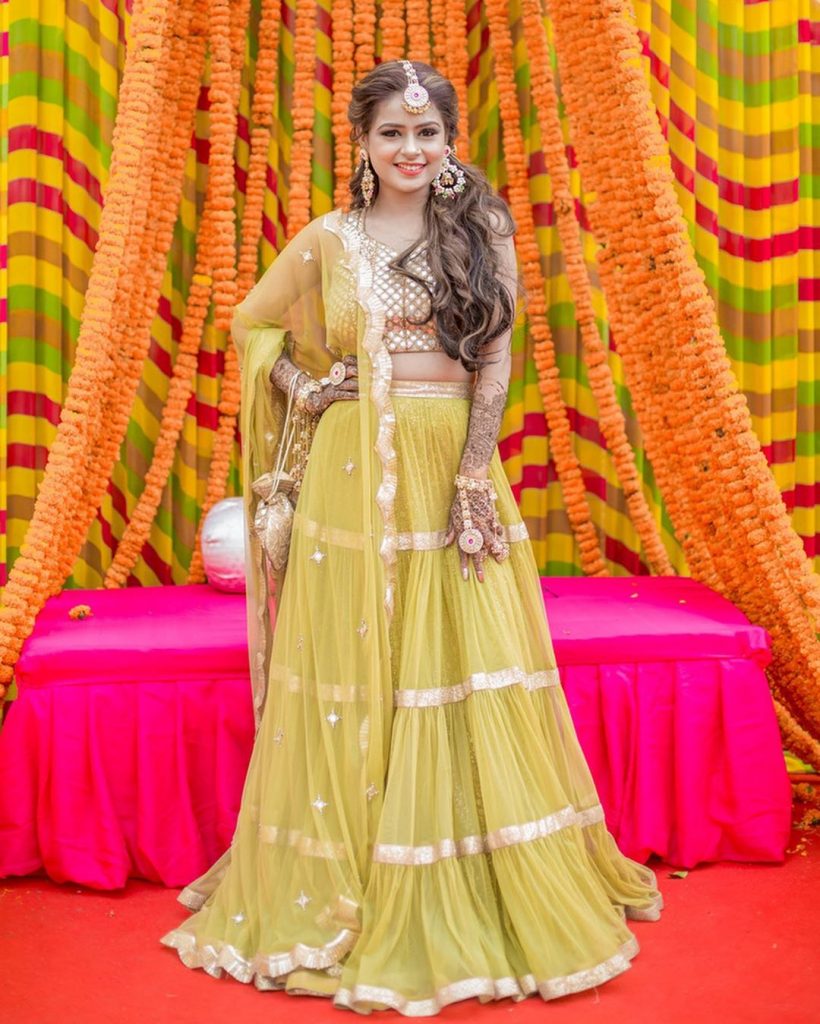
(284, 371)
(484, 518)
(318, 401)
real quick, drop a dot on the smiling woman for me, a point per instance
(418, 824)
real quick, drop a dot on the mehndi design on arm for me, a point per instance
(489, 401)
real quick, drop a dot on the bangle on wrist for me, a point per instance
(471, 483)
(304, 389)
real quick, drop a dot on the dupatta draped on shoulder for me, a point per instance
(317, 301)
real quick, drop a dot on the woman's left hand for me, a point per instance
(484, 519)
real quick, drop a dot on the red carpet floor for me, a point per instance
(736, 943)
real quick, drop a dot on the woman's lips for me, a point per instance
(411, 170)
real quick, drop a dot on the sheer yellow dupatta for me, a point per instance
(288, 307)
(283, 310)
(317, 300)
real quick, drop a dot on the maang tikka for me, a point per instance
(415, 98)
(450, 180)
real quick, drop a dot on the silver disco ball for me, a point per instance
(223, 545)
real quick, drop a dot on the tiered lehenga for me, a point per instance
(418, 823)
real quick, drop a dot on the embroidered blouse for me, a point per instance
(403, 299)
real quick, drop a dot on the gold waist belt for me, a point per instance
(431, 388)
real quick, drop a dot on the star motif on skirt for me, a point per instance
(349, 466)
(371, 791)
(302, 899)
(362, 629)
(333, 718)
(238, 918)
(278, 736)
(307, 255)
(319, 804)
(318, 556)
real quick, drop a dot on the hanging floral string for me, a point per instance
(265, 98)
(418, 30)
(458, 61)
(208, 244)
(392, 30)
(727, 561)
(221, 455)
(695, 420)
(610, 416)
(795, 738)
(139, 280)
(301, 150)
(566, 462)
(439, 13)
(250, 234)
(231, 58)
(229, 23)
(165, 178)
(365, 36)
(31, 580)
(343, 78)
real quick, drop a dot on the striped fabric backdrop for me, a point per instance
(732, 86)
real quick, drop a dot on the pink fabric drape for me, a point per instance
(126, 751)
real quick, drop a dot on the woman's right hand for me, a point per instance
(318, 401)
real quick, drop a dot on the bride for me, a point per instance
(418, 823)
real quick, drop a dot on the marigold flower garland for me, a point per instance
(199, 295)
(795, 738)
(731, 562)
(137, 284)
(392, 30)
(458, 61)
(440, 28)
(220, 456)
(610, 416)
(301, 149)
(265, 97)
(418, 30)
(696, 422)
(228, 23)
(250, 233)
(30, 581)
(566, 462)
(612, 263)
(364, 35)
(343, 78)
(176, 117)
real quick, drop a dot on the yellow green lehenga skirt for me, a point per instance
(480, 864)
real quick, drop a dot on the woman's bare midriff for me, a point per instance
(428, 366)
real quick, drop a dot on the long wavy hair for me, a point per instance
(469, 305)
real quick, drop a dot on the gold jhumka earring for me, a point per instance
(368, 182)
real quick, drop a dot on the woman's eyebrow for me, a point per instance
(424, 124)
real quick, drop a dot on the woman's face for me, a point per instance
(406, 150)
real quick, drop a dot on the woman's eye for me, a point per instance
(390, 133)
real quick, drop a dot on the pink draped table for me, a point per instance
(125, 753)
